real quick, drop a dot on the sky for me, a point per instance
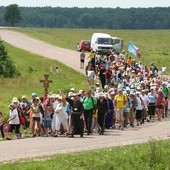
(89, 3)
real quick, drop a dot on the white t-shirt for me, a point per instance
(139, 101)
(14, 121)
(145, 100)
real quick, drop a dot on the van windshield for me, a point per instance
(104, 41)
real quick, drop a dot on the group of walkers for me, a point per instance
(123, 94)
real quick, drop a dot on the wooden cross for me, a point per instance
(46, 83)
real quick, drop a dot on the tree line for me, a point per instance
(104, 18)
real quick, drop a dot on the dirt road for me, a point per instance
(68, 57)
(37, 147)
(46, 146)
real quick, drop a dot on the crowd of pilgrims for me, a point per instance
(123, 94)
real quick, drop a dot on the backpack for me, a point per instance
(92, 101)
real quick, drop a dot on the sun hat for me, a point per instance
(127, 88)
(24, 97)
(101, 94)
(137, 92)
(34, 95)
(15, 100)
(60, 97)
(12, 106)
(72, 89)
(112, 93)
(70, 94)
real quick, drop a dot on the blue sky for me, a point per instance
(89, 3)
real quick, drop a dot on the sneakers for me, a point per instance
(33, 135)
(71, 136)
(55, 135)
(122, 128)
(8, 138)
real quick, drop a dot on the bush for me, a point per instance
(7, 66)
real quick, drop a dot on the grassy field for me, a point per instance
(29, 81)
(154, 44)
(151, 156)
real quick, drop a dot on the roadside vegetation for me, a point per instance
(32, 69)
(154, 155)
(153, 44)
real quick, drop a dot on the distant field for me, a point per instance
(29, 81)
(154, 44)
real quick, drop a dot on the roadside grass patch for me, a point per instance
(32, 68)
(152, 155)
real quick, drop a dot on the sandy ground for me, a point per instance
(41, 146)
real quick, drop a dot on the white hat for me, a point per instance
(23, 97)
(60, 97)
(137, 92)
(101, 94)
(15, 100)
(53, 96)
(127, 88)
(72, 89)
(112, 93)
(70, 94)
(152, 88)
(106, 86)
(131, 92)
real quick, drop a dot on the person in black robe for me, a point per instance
(77, 117)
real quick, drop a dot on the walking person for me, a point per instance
(77, 117)
(120, 102)
(133, 105)
(89, 104)
(61, 116)
(102, 106)
(82, 59)
(160, 105)
(36, 114)
(1, 125)
(139, 108)
(14, 123)
(110, 116)
(151, 106)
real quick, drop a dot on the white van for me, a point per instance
(101, 42)
(117, 44)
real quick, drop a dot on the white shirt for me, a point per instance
(145, 101)
(14, 121)
(139, 106)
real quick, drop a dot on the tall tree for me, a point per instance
(12, 14)
(7, 66)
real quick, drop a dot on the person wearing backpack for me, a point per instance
(89, 104)
(120, 102)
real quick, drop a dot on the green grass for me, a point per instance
(29, 82)
(154, 155)
(154, 44)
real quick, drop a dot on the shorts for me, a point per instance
(132, 113)
(126, 115)
(37, 119)
(13, 127)
(138, 114)
(160, 106)
(119, 114)
(47, 123)
(82, 60)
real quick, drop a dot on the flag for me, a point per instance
(133, 49)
